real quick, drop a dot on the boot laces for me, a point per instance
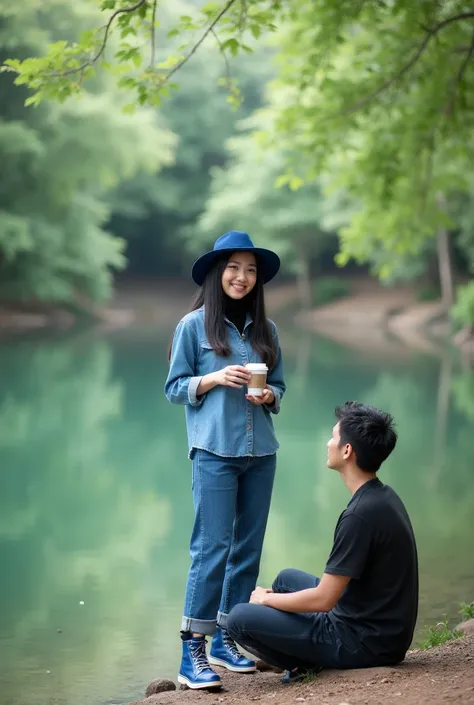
(198, 655)
(229, 644)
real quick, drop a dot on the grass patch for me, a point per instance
(310, 675)
(466, 610)
(439, 634)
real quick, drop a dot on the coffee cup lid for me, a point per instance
(256, 367)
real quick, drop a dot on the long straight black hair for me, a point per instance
(211, 296)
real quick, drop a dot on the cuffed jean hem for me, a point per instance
(222, 620)
(199, 626)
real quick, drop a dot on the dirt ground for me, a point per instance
(441, 675)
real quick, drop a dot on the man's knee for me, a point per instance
(293, 580)
(284, 580)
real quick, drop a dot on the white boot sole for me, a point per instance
(198, 686)
(235, 669)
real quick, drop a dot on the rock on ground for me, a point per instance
(160, 685)
(466, 627)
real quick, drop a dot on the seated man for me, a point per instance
(362, 612)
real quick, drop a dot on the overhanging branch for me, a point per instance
(101, 49)
(226, 60)
(460, 74)
(430, 33)
(466, 61)
(133, 8)
(194, 49)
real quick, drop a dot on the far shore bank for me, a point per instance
(376, 315)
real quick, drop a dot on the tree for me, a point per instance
(58, 162)
(243, 196)
(157, 213)
(380, 99)
(378, 95)
(70, 62)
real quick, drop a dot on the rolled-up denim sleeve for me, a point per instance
(181, 384)
(275, 380)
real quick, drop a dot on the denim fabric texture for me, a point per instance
(221, 421)
(231, 503)
(293, 640)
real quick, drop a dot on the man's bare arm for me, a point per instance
(319, 599)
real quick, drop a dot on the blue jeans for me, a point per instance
(231, 504)
(290, 640)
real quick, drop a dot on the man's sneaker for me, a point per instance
(195, 671)
(224, 653)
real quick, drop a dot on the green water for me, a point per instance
(96, 504)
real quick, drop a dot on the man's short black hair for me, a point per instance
(369, 431)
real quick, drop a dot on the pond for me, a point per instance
(96, 512)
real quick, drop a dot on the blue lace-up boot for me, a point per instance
(225, 653)
(195, 671)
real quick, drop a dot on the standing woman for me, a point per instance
(231, 442)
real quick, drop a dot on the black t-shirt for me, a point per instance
(374, 545)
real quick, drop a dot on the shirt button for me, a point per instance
(249, 427)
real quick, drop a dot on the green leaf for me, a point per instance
(232, 44)
(210, 9)
(256, 30)
(137, 59)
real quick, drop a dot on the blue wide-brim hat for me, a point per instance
(267, 260)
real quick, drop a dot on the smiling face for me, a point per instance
(240, 275)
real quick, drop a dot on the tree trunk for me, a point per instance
(444, 260)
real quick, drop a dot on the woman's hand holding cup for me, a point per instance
(267, 397)
(233, 376)
(237, 376)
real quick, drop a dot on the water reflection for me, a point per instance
(96, 503)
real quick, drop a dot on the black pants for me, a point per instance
(289, 640)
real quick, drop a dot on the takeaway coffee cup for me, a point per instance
(258, 378)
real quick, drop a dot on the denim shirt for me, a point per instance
(221, 421)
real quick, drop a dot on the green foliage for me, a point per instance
(155, 213)
(462, 209)
(438, 635)
(462, 312)
(372, 100)
(428, 292)
(126, 34)
(58, 162)
(466, 610)
(290, 219)
(379, 98)
(327, 289)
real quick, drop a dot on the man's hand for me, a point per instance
(322, 598)
(259, 595)
(267, 398)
